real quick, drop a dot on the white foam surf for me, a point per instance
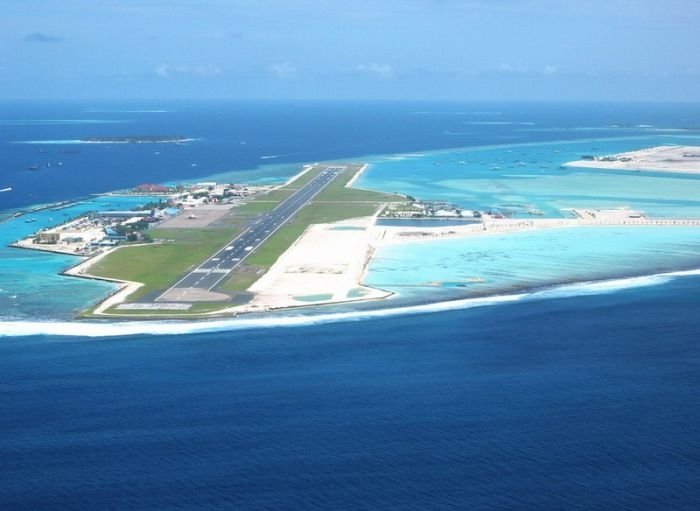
(130, 328)
(102, 329)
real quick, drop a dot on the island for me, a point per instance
(211, 249)
(678, 159)
(136, 139)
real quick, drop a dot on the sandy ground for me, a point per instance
(678, 159)
(325, 265)
(328, 262)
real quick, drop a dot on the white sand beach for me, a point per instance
(325, 265)
(677, 159)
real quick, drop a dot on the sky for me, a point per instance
(359, 49)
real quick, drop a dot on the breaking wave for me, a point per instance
(127, 328)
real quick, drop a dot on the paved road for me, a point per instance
(211, 272)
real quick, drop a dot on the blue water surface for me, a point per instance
(549, 402)
(571, 403)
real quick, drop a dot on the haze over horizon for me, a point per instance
(308, 49)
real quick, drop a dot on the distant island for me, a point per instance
(137, 139)
(677, 159)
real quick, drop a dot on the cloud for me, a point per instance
(522, 70)
(38, 37)
(383, 71)
(197, 71)
(508, 68)
(283, 70)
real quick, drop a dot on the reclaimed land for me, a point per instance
(336, 202)
(176, 251)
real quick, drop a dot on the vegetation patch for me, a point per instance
(240, 281)
(160, 265)
(195, 310)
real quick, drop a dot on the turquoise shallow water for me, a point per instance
(498, 263)
(518, 178)
(30, 284)
(521, 178)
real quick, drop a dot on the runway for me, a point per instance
(200, 283)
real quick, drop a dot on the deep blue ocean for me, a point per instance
(234, 137)
(553, 402)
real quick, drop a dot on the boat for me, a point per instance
(8, 189)
(30, 220)
(34, 167)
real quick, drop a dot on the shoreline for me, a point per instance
(305, 169)
(324, 266)
(357, 176)
(124, 289)
(125, 326)
(281, 298)
(280, 294)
